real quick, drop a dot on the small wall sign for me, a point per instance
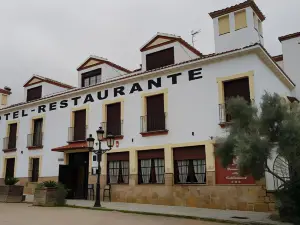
(94, 170)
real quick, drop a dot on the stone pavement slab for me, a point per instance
(26, 214)
(202, 213)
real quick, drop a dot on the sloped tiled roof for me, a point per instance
(248, 3)
(172, 38)
(101, 60)
(48, 80)
(289, 36)
(70, 146)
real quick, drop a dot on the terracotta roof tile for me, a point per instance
(101, 61)
(70, 146)
(171, 38)
(48, 80)
(289, 36)
(277, 58)
(248, 3)
(3, 91)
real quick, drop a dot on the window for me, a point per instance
(189, 165)
(238, 87)
(118, 168)
(12, 138)
(91, 78)
(255, 21)
(235, 88)
(224, 25)
(37, 136)
(159, 59)
(34, 93)
(78, 132)
(34, 164)
(257, 24)
(4, 99)
(113, 116)
(240, 19)
(151, 167)
(155, 118)
(10, 168)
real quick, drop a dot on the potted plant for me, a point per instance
(10, 192)
(50, 193)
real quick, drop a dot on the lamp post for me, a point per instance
(90, 143)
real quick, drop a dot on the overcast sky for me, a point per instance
(52, 38)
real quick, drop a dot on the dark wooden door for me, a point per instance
(79, 167)
(37, 132)
(10, 168)
(159, 59)
(12, 136)
(236, 88)
(155, 113)
(65, 178)
(114, 119)
(35, 169)
(34, 93)
(80, 125)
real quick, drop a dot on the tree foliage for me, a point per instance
(258, 133)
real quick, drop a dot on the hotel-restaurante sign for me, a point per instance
(230, 175)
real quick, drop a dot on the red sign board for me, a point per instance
(230, 175)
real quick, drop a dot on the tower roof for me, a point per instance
(248, 3)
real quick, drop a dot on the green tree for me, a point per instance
(258, 133)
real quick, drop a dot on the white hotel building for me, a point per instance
(165, 116)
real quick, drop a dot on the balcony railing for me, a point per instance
(151, 123)
(35, 139)
(224, 116)
(115, 128)
(9, 143)
(77, 134)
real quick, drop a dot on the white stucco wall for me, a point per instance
(291, 60)
(47, 89)
(192, 107)
(236, 38)
(107, 72)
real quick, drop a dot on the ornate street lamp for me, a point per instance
(90, 143)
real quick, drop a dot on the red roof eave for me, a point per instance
(71, 146)
(2, 91)
(289, 36)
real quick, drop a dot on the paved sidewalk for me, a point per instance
(216, 214)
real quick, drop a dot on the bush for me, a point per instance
(48, 184)
(288, 203)
(61, 194)
(11, 181)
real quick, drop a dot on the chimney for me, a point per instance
(7, 88)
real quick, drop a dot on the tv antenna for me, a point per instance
(194, 33)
